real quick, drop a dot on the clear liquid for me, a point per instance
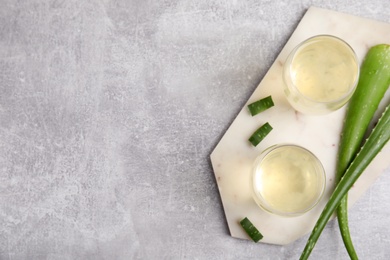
(288, 179)
(324, 70)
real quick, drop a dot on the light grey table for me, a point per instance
(109, 111)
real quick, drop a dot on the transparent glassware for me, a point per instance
(320, 75)
(287, 180)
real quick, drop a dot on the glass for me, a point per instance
(287, 180)
(320, 75)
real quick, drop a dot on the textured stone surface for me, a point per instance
(109, 111)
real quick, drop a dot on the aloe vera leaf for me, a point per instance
(373, 145)
(373, 82)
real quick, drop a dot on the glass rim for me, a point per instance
(290, 57)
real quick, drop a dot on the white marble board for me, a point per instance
(233, 156)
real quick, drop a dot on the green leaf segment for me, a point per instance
(373, 82)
